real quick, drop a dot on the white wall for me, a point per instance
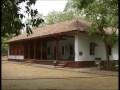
(83, 46)
(65, 43)
(82, 42)
(100, 50)
(20, 57)
(115, 52)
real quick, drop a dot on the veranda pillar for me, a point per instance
(76, 47)
(56, 49)
(41, 49)
(34, 49)
(28, 49)
(8, 50)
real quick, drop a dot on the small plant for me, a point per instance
(113, 66)
(117, 67)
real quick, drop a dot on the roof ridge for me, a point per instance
(60, 27)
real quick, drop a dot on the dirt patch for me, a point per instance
(20, 76)
(4, 58)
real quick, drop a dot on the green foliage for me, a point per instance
(68, 6)
(82, 3)
(102, 14)
(54, 17)
(92, 31)
(4, 46)
(32, 23)
(12, 19)
(112, 39)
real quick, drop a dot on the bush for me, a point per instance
(114, 66)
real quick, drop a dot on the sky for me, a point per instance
(46, 6)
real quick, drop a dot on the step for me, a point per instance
(27, 61)
(60, 64)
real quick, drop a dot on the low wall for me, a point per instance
(73, 64)
(46, 62)
(16, 57)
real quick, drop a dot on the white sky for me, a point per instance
(46, 6)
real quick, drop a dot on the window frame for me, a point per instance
(92, 48)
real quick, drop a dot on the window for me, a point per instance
(63, 50)
(92, 48)
(109, 50)
(48, 50)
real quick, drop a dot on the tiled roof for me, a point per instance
(56, 28)
(61, 27)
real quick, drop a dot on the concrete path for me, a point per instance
(86, 70)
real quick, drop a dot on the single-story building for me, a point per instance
(64, 43)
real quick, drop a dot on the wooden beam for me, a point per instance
(41, 49)
(55, 38)
(70, 36)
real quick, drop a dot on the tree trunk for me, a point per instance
(106, 46)
(107, 54)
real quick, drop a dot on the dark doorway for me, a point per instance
(71, 57)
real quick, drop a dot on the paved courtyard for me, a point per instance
(21, 76)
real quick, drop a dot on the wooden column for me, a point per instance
(56, 49)
(41, 49)
(23, 51)
(9, 50)
(34, 49)
(28, 49)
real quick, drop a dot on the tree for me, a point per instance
(54, 17)
(29, 21)
(4, 46)
(12, 18)
(69, 6)
(102, 14)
